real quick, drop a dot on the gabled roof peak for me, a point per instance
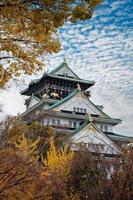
(64, 70)
(79, 94)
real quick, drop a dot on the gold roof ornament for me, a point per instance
(78, 87)
(65, 61)
(56, 110)
(90, 117)
(91, 128)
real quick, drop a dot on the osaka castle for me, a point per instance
(62, 100)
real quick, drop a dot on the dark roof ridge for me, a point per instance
(115, 134)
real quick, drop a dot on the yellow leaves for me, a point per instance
(4, 77)
(58, 161)
(13, 28)
(27, 147)
(41, 34)
(28, 31)
(51, 132)
(81, 13)
(94, 3)
(21, 162)
(56, 170)
(52, 46)
(52, 157)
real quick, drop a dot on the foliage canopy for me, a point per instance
(29, 30)
(62, 174)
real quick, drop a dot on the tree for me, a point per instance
(98, 178)
(10, 129)
(24, 145)
(13, 130)
(17, 176)
(28, 147)
(58, 160)
(29, 30)
(62, 174)
(121, 181)
(87, 176)
(56, 170)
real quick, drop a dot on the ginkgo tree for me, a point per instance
(56, 170)
(58, 160)
(28, 29)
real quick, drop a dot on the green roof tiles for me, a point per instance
(71, 79)
(53, 75)
(119, 137)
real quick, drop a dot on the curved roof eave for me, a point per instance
(58, 77)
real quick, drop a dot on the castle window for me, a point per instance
(102, 146)
(77, 109)
(101, 127)
(74, 109)
(70, 123)
(58, 122)
(81, 110)
(74, 124)
(85, 111)
(53, 121)
(65, 74)
(48, 122)
(106, 128)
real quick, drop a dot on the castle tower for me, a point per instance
(57, 84)
(61, 99)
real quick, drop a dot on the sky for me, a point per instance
(100, 49)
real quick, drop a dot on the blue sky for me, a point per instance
(100, 49)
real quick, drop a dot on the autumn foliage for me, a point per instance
(29, 29)
(17, 176)
(30, 172)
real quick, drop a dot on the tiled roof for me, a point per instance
(64, 64)
(118, 137)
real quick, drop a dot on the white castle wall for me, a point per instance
(72, 123)
(103, 126)
(79, 102)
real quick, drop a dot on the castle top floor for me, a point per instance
(57, 84)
